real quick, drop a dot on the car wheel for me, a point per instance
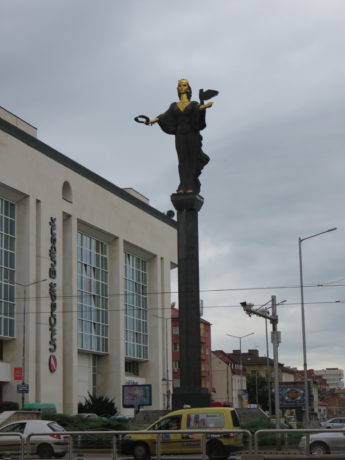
(216, 451)
(319, 448)
(141, 450)
(45, 451)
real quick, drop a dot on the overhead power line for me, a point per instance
(155, 307)
(255, 288)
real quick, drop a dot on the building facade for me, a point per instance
(229, 384)
(84, 276)
(333, 376)
(335, 404)
(205, 351)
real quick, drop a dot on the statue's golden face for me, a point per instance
(183, 86)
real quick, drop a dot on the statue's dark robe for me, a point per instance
(186, 126)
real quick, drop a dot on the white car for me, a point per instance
(324, 443)
(47, 446)
(337, 422)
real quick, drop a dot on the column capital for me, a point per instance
(183, 201)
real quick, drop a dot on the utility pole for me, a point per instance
(275, 342)
(273, 318)
(268, 371)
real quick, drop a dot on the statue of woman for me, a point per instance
(185, 119)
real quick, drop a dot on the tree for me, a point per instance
(257, 389)
(100, 405)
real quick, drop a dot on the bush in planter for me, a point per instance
(254, 425)
(8, 405)
(270, 439)
(100, 405)
(77, 423)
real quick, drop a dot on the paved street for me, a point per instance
(108, 456)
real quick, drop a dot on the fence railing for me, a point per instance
(21, 441)
(304, 431)
(280, 437)
(117, 436)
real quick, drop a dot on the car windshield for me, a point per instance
(55, 426)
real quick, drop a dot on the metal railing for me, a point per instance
(116, 437)
(21, 442)
(286, 431)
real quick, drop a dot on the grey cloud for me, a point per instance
(80, 71)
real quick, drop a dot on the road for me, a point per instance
(107, 456)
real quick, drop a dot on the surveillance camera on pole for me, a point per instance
(276, 339)
(247, 307)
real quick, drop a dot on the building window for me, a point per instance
(176, 330)
(92, 294)
(136, 330)
(176, 365)
(132, 367)
(176, 383)
(7, 268)
(176, 347)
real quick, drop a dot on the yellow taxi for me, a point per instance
(218, 445)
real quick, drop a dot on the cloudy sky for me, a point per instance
(80, 70)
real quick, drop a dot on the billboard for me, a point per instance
(291, 394)
(136, 395)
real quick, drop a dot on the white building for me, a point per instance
(84, 278)
(333, 376)
(229, 384)
(221, 378)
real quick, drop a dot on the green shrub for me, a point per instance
(77, 423)
(100, 405)
(8, 405)
(256, 425)
(270, 439)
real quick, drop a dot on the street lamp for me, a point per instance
(166, 378)
(241, 369)
(305, 368)
(25, 286)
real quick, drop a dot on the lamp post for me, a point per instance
(241, 368)
(305, 367)
(166, 379)
(25, 286)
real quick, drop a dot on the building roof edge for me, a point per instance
(82, 170)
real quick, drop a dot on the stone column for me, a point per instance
(190, 391)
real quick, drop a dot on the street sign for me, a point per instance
(23, 388)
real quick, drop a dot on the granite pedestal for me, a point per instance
(190, 391)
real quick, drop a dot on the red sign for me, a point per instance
(18, 373)
(52, 363)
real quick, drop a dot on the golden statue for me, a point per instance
(185, 119)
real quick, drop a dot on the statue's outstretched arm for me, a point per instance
(205, 106)
(151, 122)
